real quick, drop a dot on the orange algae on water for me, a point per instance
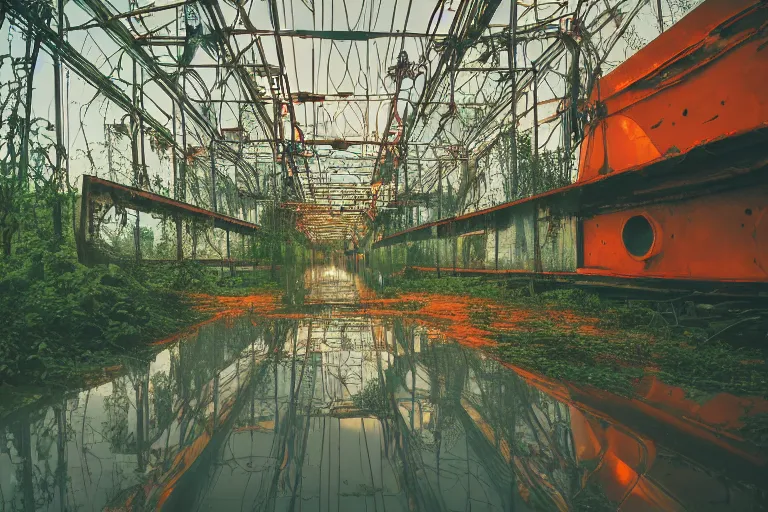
(452, 313)
(457, 316)
(226, 305)
(223, 307)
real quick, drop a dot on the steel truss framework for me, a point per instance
(340, 110)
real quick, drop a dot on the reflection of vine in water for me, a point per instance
(163, 399)
(536, 428)
(518, 433)
(373, 399)
(38, 484)
(115, 429)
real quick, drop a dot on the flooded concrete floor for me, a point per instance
(327, 408)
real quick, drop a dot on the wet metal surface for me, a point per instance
(328, 412)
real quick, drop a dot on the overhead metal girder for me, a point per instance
(85, 69)
(122, 36)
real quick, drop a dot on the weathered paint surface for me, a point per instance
(713, 237)
(702, 80)
(476, 250)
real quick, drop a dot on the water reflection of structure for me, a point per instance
(334, 413)
(332, 286)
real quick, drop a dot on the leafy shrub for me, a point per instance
(60, 316)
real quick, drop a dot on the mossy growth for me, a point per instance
(630, 340)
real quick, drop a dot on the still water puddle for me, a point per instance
(341, 412)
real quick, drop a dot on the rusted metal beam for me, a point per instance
(723, 164)
(246, 80)
(328, 142)
(123, 37)
(134, 14)
(141, 200)
(333, 35)
(85, 69)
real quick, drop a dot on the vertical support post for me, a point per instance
(240, 133)
(81, 233)
(143, 169)
(216, 398)
(179, 245)
(229, 257)
(659, 13)
(242, 246)
(437, 251)
(579, 242)
(421, 189)
(455, 244)
(137, 236)
(461, 199)
(512, 59)
(175, 164)
(537, 264)
(134, 128)
(405, 253)
(273, 240)
(85, 222)
(253, 252)
(57, 213)
(408, 211)
(182, 185)
(277, 148)
(496, 242)
(183, 168)
(61, 452)
(108, 137)
(212, 152)
(537, 164)
(145, 387)
(439, 190)
(194, 240)
(535, 178)
(140, 425)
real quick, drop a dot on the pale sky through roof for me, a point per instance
(320, 66)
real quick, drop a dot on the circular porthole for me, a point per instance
(638, 236)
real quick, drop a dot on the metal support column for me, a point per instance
(496, 243)
(229, 257)
(537, 267)
(57, 213)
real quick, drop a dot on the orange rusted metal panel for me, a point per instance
(702, 80)
(717, 237)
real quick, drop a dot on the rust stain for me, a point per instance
(719, 239)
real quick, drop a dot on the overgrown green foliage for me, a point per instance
(61, 318)
(631, 342)
(568, 357)
(756, 429)
(191, 277)
(373, 399)
(473, 286)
